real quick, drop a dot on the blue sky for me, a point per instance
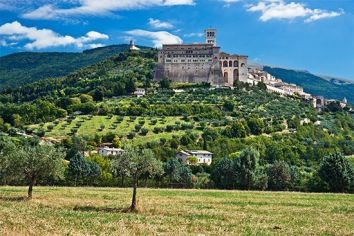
(314, 35)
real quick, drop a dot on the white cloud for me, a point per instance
(98, 7)
(279, 9)
(190, 35)
(46, 38)
(96, 45)
(158, 38)
(158, 24)
(227, 3)
(321, 15)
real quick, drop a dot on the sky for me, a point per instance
(313, 35)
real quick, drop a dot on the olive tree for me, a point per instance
(32, 163)
(136, 163)
(336, 172)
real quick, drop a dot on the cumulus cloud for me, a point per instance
(158, 38)
(158, 24)
(98, 7)
(279, 9)
(46, 38)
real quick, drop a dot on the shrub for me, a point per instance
(131, 135)
(144, 131)
(137, 127)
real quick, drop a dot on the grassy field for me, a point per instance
(100, 211)
(92, 125)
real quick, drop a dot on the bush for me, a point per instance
(144, 131)
(137, 128)
(131, 135)
(157, 130)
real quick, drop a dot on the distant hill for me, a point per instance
(26, 67)
(331, 88)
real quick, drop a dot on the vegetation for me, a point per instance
(260, 141)
(31, 164)
(27, 67)
(136, 163)
(316, 85)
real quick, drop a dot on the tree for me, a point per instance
(86, 98)
(165, 83)
(135, 163)
(246, 166)
(279, 176)
(80, 169)
(77, 168)
(224, 174)
(116, 142)
(336, 172)
(177, 171)
(32, 163)
(192, 160)
(229, 105)
(130, 85)
(75, 145)
(256, 125)
(238, 129)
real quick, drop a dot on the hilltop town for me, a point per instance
(205, 62)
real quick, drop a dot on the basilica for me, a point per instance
(201, 62)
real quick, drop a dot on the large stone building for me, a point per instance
(202, 62)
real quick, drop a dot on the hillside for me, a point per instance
(26, 67)
(330, 88)
(95, 105)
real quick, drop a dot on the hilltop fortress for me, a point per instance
(202, 62)
(205, 62)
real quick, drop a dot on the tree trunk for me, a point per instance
(135, 186)
(122, 181)
(145, 182)
(30, 189)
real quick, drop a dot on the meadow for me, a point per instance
(101, 211)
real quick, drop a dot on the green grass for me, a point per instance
(100, 211)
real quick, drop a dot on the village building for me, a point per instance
(132, 46)
(140, 92)
(110, 151)
(203, 157)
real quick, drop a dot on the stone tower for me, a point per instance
(210, 36)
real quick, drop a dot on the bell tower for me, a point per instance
(210, 36)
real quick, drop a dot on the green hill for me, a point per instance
(26, 67)
(316, 85)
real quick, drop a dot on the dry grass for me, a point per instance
(101, 211)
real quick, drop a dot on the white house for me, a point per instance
(108, 151)
(204, 157)
(139, 92)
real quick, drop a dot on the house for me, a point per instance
(203, 157)
(139, 92)
(110, 151)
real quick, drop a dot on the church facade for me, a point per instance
(202, 62)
